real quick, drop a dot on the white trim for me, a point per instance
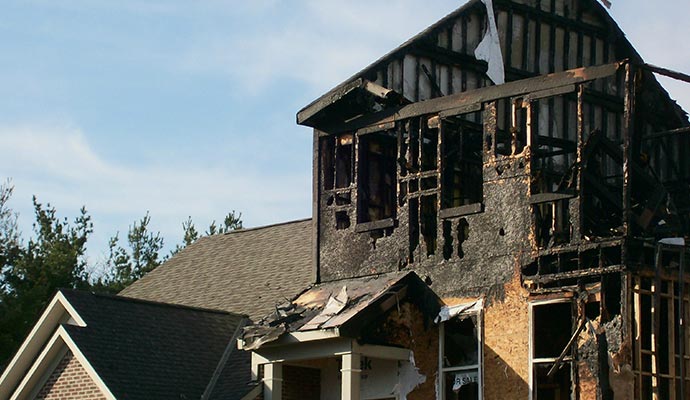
(533, 360)
(58, 343)
(58, 311)
(462, 310)
(48, 372)
(87, 365)
(295, 337)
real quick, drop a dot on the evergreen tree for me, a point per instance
(31, 273)
(126, 265)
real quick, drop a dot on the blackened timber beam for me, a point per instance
(567, 349)
(551, 18)
(483, 95)
(549, 278)
(610, 102)
(540, 198)
(462, 60)
(330, 98)
(682, 322)
(671, 132)
(337, 94)
(667, 72)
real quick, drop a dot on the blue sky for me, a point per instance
(187, 108)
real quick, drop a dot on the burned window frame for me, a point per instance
(337, 192)
(365, 221)
(477, 193)
(536, 362)
(660, 306)
(478, 315)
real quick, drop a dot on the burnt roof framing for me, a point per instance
(470, 98)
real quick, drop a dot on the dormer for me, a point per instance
(429, 159)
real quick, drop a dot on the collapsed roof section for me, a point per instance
(341, 308)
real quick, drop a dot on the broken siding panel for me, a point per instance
(531, 45)
(444, 78)
(409, 77)
(517, 42)
(425, 80)
(504, 34)
(395, 75)
(543, 52)
(558, 57)
(475, 31)
(457, 39)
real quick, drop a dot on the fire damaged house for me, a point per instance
(499, 208)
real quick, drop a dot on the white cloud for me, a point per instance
(321, 44)
(59, 166)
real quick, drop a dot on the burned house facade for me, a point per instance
(498, 213)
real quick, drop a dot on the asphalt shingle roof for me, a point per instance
(146, 350)
(246, 271)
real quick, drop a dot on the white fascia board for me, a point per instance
(297, 337)
(45, 363)
(58, 311)
(86, 365)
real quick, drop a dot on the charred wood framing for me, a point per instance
(560, 181)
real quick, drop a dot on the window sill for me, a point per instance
(469, 209)
(374, 225)
(540, 198)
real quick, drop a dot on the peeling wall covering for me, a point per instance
(506, 344)
(489, 49)
(406, 328)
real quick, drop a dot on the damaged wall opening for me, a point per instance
(376, 176)
(661, 359)
(460, 351)
(462, 160)
(551, 328)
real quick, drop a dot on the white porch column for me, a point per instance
(350, 376)
(273, 381)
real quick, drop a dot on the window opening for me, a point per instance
(460, 356)
(344, 158)
(420, 181)
(377, 173)
(660, 363)
(551, 330)
(428, 223)
(462, 161)
(337, 161)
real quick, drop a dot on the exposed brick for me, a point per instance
(69, 381)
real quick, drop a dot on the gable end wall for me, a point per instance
(69, 381)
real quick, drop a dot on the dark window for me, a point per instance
(461, 357)
(552, 328)
(377, 171)
(462, 161)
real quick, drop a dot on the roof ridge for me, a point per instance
(152, 302)
(267, 226)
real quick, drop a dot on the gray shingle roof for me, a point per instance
(146, 350)
(246, 271)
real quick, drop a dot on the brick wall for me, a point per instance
(301, 383)
(69, 381)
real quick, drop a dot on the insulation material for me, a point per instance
(335, 305)
(677, 241)
(448, 312)
(409, 378)
(489, 49)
